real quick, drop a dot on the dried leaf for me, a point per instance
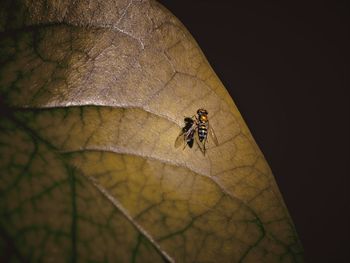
(93, 96)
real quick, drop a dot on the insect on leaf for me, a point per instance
(93, 95)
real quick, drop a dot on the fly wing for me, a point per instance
(213, 136)
(185, 137)
(189, 135)
(190, 139)
(180, 140)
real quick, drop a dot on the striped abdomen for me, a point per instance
(202, 131)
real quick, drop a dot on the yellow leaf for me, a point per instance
(93, 96)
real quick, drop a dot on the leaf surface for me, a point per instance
(93, 96)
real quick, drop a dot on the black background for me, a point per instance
(284, 65)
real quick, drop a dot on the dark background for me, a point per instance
(284, 65)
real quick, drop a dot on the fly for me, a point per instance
(203, 128)
(196, 128)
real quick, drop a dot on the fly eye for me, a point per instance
(201, 111)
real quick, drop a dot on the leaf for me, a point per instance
(93, 96)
